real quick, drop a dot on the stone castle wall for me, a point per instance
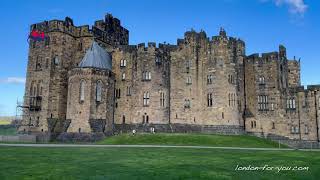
(202, 84)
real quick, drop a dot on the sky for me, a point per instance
(262, 24)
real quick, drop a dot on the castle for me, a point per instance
(90, 80)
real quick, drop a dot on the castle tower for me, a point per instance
(90, 93)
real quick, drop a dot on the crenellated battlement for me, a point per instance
(65, 26)
(110, 31)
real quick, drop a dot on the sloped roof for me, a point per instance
(96, 57)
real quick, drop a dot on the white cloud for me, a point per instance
(13, 80)
(295, 6)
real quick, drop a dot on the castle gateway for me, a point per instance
(90, 80)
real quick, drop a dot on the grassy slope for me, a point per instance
(150, 163)
(191, 139)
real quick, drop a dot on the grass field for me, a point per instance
(4, 122)
(8, 130)
(151, 163)
(191, 139)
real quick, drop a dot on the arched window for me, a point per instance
(149, 75)
(146, 98)
(188, 65)
(261, 80)
(123, 76)
(146, 75)
(189, 80)
(291, 103)
(162, 99)
(82, 87)
(123, 63)
(210, 100)
(123, 119)
(98, 91)
(187, 103)
(34, 90)
(209, 79)
(56, 61)
(306, 129)
(273, 125)
(128, 91)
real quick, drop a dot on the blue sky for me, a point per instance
(262, 24)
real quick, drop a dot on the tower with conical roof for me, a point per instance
(90, 93)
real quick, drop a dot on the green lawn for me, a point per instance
(8, 130)
(151, 163)
(191, 139)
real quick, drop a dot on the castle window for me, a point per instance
(146, 99)
(254, 124)
(231, 79)
(292, 129)
(47, 62)
(189, 80)
(261, 80)
(209, 79)
(82, 87)
(80, 46)
(123, 63)
(187, 103)
(306, 129)
(98, 91)
(123, 76)
(38, 64)
(145, 119)
(251, 124)
(37, 121)
(158, 60)
(296, 129)
(188, 65)
(118, 93)
(56, 61)
(123, 119)
(272, 107)
(210, 100)
(291, 103)
(273, 125)
(222, 115)
(262, 103)
(69, 92)
(128, 91)
(162, 99)
(146, 75)
(232, 99)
